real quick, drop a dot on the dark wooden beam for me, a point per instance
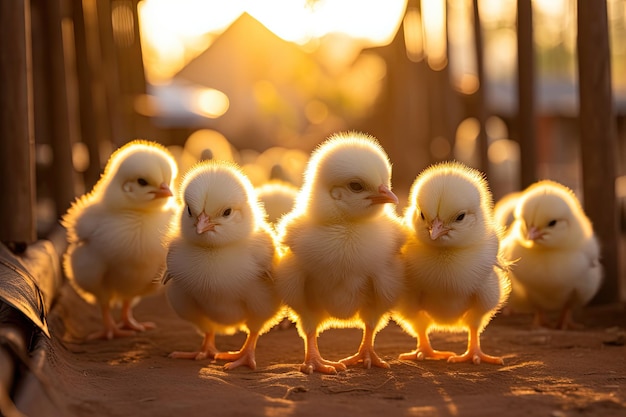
(56, 118)
(598, 138)
(17, 167)
(526, 118)
(479, 95)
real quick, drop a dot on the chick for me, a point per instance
(278, 198)
(504, 208)
(555, 252)
(454, 278)
(115, 232)
(341, 264)
(220, 261)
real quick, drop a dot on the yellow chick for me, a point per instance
(341, 264)
(454, 278)
(278, 198)
(555, 254)
(115, 232)
(220, 261)
(504, 208)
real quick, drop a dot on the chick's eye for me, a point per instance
(422, 215)
(552, 223)
(142, 182)
(460, 217)
(189, 211)
(227, 212)
(357, 187)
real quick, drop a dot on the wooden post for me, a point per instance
(526, 122)
(479, 96)
(598, 138)
(56, 112)
(17, 168)
(94, 120)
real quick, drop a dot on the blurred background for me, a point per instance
(495, 84)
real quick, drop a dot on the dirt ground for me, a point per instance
(546, 372)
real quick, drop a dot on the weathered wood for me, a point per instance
(526, 118)
(479, 95)
(56, 120)
(94, 121)
(17, 168)
(112, 73)
(598, 139)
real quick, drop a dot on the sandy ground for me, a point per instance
(546, 373)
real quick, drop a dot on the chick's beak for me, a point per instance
(385, 195)
(204, 224)
(534, 233)
(437, 229)
(164, 191)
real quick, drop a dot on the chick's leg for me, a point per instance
(539, 319)
(421, 324)
(366, 352)
(313, 360)
(474, 353)
(566, 321)
(245, 355)
(129, 322)
(110, 329)
(207, 350)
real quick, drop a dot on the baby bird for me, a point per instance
(115, 232)
(341, 262)
(454, 278)
(220, 261)
(504, 208)
(555, 254)
(278, 198)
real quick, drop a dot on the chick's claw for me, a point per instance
(476, 357)
(368, 357)
(426, 353)
(322, 366)
(238, 359)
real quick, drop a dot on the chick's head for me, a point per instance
(218, 204)
(138, 176)
(550, 215)
(450, 205)
(348, 177)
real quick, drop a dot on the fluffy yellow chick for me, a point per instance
(115, 232)
(555, 254)
(454, 278)
(278, 198)
(341, 264)
(220, 261)
(504, 208)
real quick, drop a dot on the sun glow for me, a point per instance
(175, 31)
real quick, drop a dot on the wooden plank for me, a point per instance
(598, 138)
(17, 168)
(479, 95)
(56, 117)
(526, 118)
(94, 121)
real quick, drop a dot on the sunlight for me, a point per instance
(503, 151)
(434, 19)
(175, 31)
(413, 34)
(210, 102)
(461, 43)
(465, 141)
(551, 8)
